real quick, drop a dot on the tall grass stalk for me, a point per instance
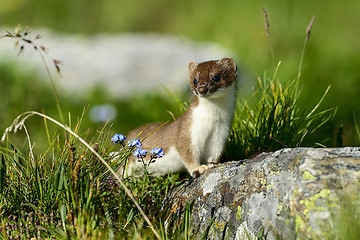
(22, 37)
(267, 32)
(271, 119)
(356, 126)
(308, 32)
(19, 123)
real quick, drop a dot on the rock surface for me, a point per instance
(287, 194)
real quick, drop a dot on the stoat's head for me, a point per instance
(213, 76)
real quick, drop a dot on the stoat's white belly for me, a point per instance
(211, 124)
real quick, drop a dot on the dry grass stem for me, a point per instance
(24, 39)
(308, 29)
(267, 25)
(267, 32)
(19, 123)
(308, 32)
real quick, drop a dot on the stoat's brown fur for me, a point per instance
(196, 139)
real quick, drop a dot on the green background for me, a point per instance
(332, 55)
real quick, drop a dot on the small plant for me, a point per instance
(28, 225)
(139, 152)
(22, 38)
(273, 120)
(76, 184)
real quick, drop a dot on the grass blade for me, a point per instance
(19, 123)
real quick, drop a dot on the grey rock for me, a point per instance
(121, 64)
(287, 194)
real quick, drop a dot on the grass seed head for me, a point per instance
(267, 25)
(308, 29)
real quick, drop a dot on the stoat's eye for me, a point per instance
(195, 81)
(216, 78)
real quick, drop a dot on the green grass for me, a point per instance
(73, 191)
(271, 119)
(67, 192)
(64, 188)
(331, 57)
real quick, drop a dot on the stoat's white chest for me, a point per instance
(211, 124)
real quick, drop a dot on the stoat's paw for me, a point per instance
(198, 171)
(211, 165)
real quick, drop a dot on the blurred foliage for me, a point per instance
(23, 90)
(331, 58)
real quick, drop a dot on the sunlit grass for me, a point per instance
(76, 186)
(69, 188)
(271, 119)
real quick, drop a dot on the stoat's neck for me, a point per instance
(223, 100)
(211, 123)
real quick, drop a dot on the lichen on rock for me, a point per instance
(287, 194)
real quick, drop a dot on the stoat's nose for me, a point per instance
(202, 90)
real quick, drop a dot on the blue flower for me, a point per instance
(158, 152)
(140, 153)
(118, 138)
(134, 142)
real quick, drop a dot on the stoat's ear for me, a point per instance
(192, 66)
(229, 64)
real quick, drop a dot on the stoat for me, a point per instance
(197, 139)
